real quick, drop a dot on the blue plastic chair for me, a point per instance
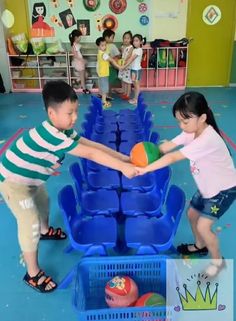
(136, 118)
(90, 235)
(97, 102)
(129, 111)
(152, 235)
(142, 183)
(105, 179)
(99, 202)
(125, 147)
(154, 138)
(134, 203)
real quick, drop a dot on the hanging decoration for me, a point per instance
(117, 6)
(109, 22)
(144, 20)
(71, 3)
(7, 19)
(56, 21)
(67, 18)
(55, 3)
(142, 7)
(91, 5)
(211, 15)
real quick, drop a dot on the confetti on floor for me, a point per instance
(23, 116)
(2, 141)
(20, 105)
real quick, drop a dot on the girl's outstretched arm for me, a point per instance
(164, 161)
(167, 146)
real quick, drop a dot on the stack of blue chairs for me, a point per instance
(104, 195)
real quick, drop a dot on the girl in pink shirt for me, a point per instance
(212, 168)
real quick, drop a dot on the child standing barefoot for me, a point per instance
(212, 168)
(125, 74)
(78, 61)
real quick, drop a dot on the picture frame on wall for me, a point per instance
(84, 26)
(67, 18)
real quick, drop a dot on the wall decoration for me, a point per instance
(67, 18)
(91, 5)
(144, 20)
(117, 6)
(7, 18)
(84, 27)
(98, 20)
(142, 7)
(55, 3)
(56, 21)
(140, 0)
(71, 3)
(109, 22)
(39, 27)
(211, 15)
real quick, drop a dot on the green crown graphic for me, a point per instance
(200, 301)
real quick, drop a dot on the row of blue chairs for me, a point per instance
(98, 234)
(135, 197)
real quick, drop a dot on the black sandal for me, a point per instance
(183, 249)
(54, 234)
(33, 282)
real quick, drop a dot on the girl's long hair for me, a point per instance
(194, 103)
(73, 34)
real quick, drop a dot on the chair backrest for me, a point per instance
(97, 102)
(67, 204)
(76, 174)
(154, 138)
(175, 203)
(140, 98)
(87, 128)
(163, 176)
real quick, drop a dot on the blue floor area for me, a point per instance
(19, 302)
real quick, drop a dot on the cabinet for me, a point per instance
(31, 72)
(164, 68)
(161, 70)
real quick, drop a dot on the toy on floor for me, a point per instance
(144, 153)
(150, 300)
(121, 291)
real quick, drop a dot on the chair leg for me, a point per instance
(146, 249)
(67, 279)
(96, 249)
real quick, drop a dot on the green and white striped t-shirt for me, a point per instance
(30, 159)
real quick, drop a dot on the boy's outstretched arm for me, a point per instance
(103, 158)
(164, 161)
(104, 148)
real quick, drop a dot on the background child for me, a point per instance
(212, 169)
(32, 159)
(125, 74)
(78, 61)
(135, 65)
(103, 59)
(113, 51)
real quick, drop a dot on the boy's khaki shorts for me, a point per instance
(30, 206)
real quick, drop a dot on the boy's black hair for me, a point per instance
(108, 33)
(99, 40)
(56, 92)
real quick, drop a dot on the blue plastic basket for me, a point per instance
(149, 272)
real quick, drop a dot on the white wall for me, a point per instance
(168, 19)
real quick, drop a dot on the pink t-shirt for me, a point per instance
(210, 162)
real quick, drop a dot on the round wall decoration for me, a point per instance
(144, 20)
(211, 15)
(91, 5)
(142, 7)
(117, 6)
(109, 22)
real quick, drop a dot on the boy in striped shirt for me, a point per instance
(32, 159)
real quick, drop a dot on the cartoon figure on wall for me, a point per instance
(39, 27)
(55, 3)
(84, 27)
(106, 22)
(67, 18)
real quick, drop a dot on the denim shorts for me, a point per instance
(103, 84)
(215, 206)
(136, 74)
